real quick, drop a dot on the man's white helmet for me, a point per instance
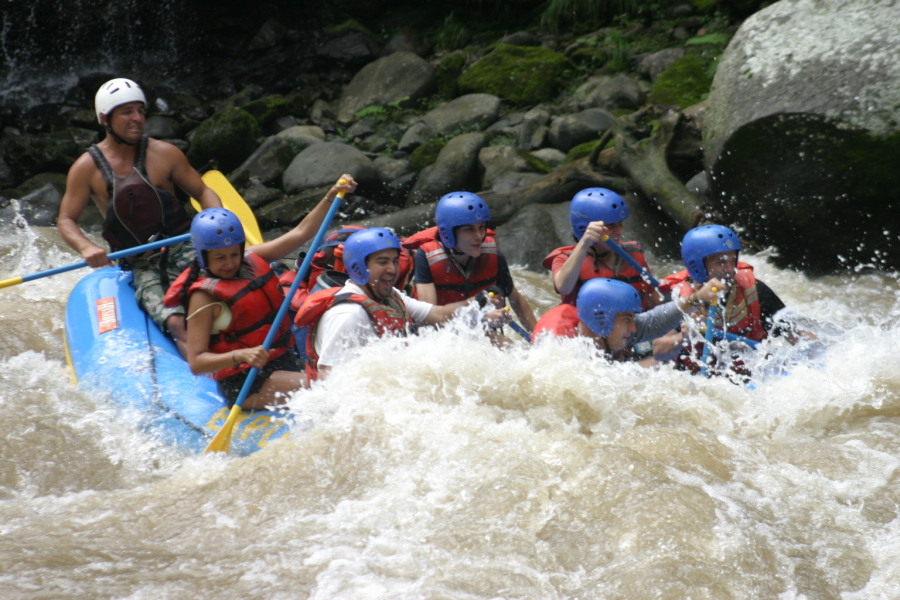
(117, 92)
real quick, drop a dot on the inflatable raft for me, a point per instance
(118, 352)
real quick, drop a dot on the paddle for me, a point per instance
(718, 334)
(611, 243)
(222, 440)
(112, 256)
(233, 201)
(710, 328)
(518, 328)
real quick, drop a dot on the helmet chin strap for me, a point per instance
(116, 136)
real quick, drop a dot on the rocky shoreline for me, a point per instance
(525, 121)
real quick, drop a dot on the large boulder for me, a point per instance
(321, 164)
(402, 76)
(227, 138)
(802, 132)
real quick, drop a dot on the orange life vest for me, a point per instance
(390, 318)
(591, 268)
(253, 302)
(451, 281)
(559, 321)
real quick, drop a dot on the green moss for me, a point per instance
(447, 73)
(684, 83)
(537, 165)
(581, 150)
(519, 74)
(228, 138)
(268, 110)
(427, 153)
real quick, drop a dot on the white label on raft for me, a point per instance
(106, 315)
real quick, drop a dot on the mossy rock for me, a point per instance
(685, 83)
(228, 138)
(447, 74)
(590, 56)
(427, 153)
(268, 110)
(519, 74)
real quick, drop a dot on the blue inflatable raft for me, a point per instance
(115, 350)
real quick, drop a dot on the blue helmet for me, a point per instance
(459, 208)
(600, 300)
(595, 204)
(214, 228)
(700, 242)
(363, 244)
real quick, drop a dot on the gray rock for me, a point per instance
(800, 132)
(469, 111)
(267, 163)
(456, 168)
(417, 134)
(610, 93)
(568, 131)
(497, 161)
(388, 79)
(322, 164)
(551, 156)
(651, 65)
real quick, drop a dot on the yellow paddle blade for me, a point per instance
(233, 201)
(222, 440)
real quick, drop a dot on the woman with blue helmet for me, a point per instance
(231, 296)
(747, 305)
(597, 214)
(341, 319)
(458, 258)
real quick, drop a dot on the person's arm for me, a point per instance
(566, 277)
(769, 304)
(182, 174)
(667, 316)
(307, 228)
(425, 288)
(203, 312)
(74, 201)
(520, 305)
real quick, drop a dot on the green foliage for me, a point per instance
(427, 153)
(520, 74)
(453, 34)
(684, 83)
(714, 39)
(587, 15)
(381, 113)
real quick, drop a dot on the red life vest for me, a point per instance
(390, 318)
(138, 212)
(253, 303)
(451, 282)
(330, 257)
(591, 267)
(560, 321)
(744, 314)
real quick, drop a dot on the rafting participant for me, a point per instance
(609, 312)
(132, 180)
(458, 258)
(231, 295)
(368, 305)
(746, 305)
(597, 214)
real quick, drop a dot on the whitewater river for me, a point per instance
(445, 468)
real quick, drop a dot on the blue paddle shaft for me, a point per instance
(112, 256)
(282, 311)
(630, 260)
(710, 329)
